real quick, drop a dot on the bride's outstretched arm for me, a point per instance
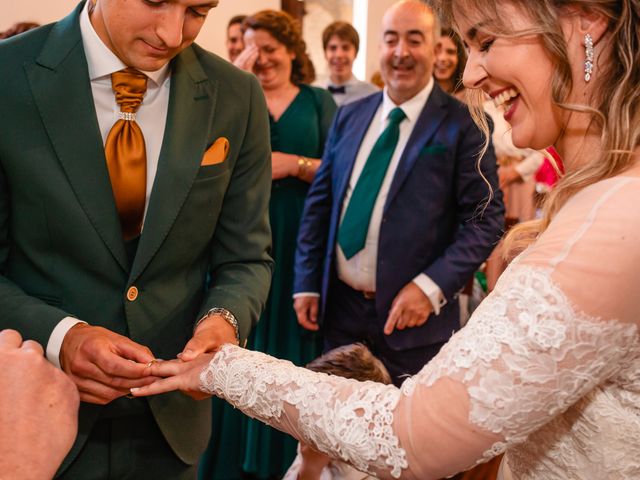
(537, 345)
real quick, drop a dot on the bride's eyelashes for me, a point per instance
(485, 45)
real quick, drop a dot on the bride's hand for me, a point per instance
(176, 375)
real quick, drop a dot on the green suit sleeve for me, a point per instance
(32, 317)
(241, 265)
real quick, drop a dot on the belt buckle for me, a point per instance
(369, 295)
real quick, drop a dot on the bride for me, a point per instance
(548, 368)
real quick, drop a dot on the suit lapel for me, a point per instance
(59, 82)
(357, 128)
(189, 123)
(427, 124)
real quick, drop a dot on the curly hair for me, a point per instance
(286, 30)
(614, 105)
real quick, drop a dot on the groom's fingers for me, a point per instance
(116, 366)
(103, 364)
(94, 391)
(93, 371)
(134, 351)
(114, 354)
(196, 346)
(211, 334)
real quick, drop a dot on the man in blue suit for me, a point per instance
(398, 218)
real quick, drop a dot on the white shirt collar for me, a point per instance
(101, 61)
(411, 107)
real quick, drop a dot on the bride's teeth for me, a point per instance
(505, 97)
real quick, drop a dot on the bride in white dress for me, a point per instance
(548, 368)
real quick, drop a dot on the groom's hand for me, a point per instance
(103, 365)
(212, 332)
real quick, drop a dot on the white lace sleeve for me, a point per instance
(527, 356)
(539, 344)
(344, 418)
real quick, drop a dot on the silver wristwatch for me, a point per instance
(228, 317)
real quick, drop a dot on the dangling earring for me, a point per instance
(588, 52)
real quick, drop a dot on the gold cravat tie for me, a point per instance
(126, 153)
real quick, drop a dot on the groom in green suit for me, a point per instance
(134, 188)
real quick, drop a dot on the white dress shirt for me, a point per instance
(359, 272)
(151, 117)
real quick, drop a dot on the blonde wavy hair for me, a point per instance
(614, 107)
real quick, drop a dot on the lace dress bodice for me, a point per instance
(547, 369)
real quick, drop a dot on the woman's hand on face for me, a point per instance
(247, 58)
(283, 165)
(176, 375)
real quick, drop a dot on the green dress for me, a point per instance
(241, 447)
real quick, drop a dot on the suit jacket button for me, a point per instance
(132, 294)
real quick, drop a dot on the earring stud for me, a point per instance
(588, 52)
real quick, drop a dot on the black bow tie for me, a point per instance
(333, 90)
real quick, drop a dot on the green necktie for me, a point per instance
(355, 224)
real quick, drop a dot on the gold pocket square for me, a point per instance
(216, 153)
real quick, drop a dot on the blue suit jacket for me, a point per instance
(436, 218)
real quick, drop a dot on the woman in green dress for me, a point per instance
(300, 117)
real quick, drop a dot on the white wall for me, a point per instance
(211, 37)
(367, 18)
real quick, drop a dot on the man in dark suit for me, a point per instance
(398, 218)
(134, 187)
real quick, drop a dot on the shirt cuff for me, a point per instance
(306, 294)
(57, 336)
(431, 290)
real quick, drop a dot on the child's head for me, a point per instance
(351, 361)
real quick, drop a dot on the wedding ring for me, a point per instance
(152, 362)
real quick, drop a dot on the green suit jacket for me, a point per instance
(206, 235)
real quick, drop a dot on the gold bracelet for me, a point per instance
(304, 164)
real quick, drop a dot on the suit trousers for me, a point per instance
(350, 318)
(126, 447)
